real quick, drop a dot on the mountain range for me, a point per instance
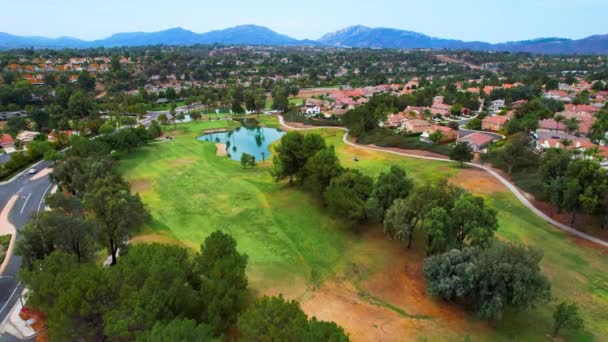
(351, 37)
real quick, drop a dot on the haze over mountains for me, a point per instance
(355, 37)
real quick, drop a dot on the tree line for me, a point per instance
(465, 262)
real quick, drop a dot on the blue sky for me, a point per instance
(489, 20)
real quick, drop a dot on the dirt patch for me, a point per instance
(141, 185)
(155, 238)
(181, 162)
(221, 150)
(380, 295)
(478, 181)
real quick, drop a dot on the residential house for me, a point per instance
(559, 95)
(395, 120)
(415, 125)
(440, 108)
(448, 134)
(550, 125)
(478, 141)
(497, 105)
(7, 142)
(27, 137)
(494, 123)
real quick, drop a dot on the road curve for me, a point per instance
(504, 181)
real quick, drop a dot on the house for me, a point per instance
(494, 123)
(550, 125)
(477, 141)
(582, 108)
(27, 137)
(585, 120)
(559, 95)
(312, 107)
(448, 134)
(395, 120)
(415, 125)
(440, 108)
(497, 106)
(7, 142)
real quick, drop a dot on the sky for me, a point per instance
(481, 20)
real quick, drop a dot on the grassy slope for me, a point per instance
(287, 236)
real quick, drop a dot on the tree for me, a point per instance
(293, 153)
(277, 319)
(347, 194)
(516, 152)
(566, 316)
(247, 160)
(80, 105)
(220, 270)
(321, 168)
(85, 81)
(73, 295)
(177, 330)
(118, 212)
(572, 124)
(162, 118)
(488, 281)
(151, 284)
(462, 153)
(173, 115)
(388, 187)
(436, 137)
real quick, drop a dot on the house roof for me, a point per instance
(581, 108)
(496, 120)
(477, 139)
(6, 139)
(550, 124)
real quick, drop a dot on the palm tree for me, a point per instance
(572, 124)
(173, 115)
(558, 118)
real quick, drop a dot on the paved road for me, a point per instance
(31, 200)
(504, 181)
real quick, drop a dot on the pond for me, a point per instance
(252, 140)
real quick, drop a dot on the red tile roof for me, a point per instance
(477, 138)
(6, 139)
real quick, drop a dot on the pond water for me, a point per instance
(252, 140)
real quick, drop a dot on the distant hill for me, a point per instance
(350, 37)
(365, 37)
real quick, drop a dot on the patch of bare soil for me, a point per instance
(221, 150)
(478, 181)
(381, 296)
(141, 185)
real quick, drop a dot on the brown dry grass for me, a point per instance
(477, 181)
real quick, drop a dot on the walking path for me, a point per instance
(504, 181)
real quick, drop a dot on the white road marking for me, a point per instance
(43, 196)
(25, 203)
(11, 297)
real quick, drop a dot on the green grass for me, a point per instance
(191, 193)
(289, 237)
(5, 241)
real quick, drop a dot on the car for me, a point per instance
(32, 171)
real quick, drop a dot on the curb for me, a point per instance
(21, 173)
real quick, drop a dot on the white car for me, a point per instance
(32, 171)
